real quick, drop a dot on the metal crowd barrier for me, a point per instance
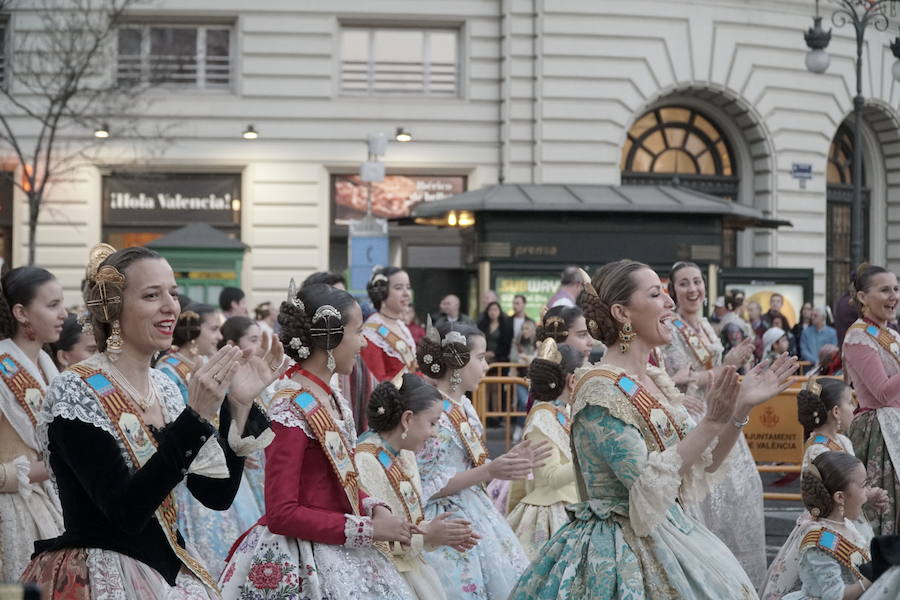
(774, 435)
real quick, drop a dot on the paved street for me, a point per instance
(780, 515)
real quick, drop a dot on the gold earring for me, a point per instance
(114, 342)
(404, 434)
(192, 348)
(625, 336)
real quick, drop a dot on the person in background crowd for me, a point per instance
(497, 328)
(487, 297)
(802, 323)
(233, 302)
(32, 313)
(775, 342)
(519, 316)
(412, 322)
(732, 317)
(829, 361)
(780, 321)
(719, 311)
(74, 344)
(570, 285)
(754, 318)
(391, 347)
(776, 303)
(265, 317)
(449, 312)
(815, 336)
(525, 350)
(335, 280)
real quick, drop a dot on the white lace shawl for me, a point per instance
(545, 421)
(282, 412)
(9, 405)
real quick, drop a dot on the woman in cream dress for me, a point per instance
(402, 417)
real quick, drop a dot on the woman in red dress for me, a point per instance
(391, 347)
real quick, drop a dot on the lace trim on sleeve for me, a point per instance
(22, 467)
(359, 531)
(173, 401)
(698, 482)
(654, 491)
(281, 412)
(369, 504)
(383, 345)
(601, 391)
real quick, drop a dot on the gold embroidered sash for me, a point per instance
(141, 445)
(473, 443)
(823, 440)
(882, 337)
(179, 365)
(403, 485)
(397, 343)
(838, 547)
(330, 438)
(657, 425)
(23, 386)
(694, 341)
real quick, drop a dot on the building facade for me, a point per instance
(713, 92)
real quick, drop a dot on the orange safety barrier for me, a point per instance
(496, 369)
(496, 397)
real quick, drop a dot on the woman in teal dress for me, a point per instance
(211, 533)
(639, 461)
(454, 467)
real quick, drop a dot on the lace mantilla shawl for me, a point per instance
(282, 412)
(545, 421)
(69, 397)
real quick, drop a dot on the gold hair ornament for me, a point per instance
(97, 255)
(814, 387)
(292, 296)
(550, 351)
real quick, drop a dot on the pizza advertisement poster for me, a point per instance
(392, 198)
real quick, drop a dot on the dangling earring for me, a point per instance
(192, 348)
(331, 364)
(29, 331)
(625, 337)
(404, 434)
(114, 342)
(455, 380)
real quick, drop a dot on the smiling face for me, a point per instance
(579, 337)
(353, 341)
(690, 290)
(420, 426)
(149, 306)
(45, 313)
(210, 334)
(477, 366)
(881, 297)
(399, 293)
(649, 309)
(251, 340)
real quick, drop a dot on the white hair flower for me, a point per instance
(435, 368)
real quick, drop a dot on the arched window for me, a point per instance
(839, 175)
(679, 144)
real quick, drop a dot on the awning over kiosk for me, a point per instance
(648, 199)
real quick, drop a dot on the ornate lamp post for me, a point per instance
(860, 14)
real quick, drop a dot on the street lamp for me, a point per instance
(860, 14)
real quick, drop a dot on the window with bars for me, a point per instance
(399, 61)
(4, 33)
(181, 55)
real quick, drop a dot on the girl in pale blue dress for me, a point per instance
(454, 468)
(640, 460)
(832, 550)
(211, 533)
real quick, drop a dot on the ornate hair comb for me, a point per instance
(814, 387)
(292, 295)
(453, 337)
(550, 351)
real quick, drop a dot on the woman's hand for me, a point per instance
(538, 453)
(509, 467)
(256, 371)
(442, 531)
(764, 381)
(723, 392)
(388, 528)
(683, 377)
(694, 405)
(740, 354)
(206, 388)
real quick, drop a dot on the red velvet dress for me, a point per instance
(311, 539)
(390, 347)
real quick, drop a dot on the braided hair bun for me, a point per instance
(387, 403)
(445, 348)
(313, 318)
(548, 378)
(190, 322)
(829, 473)
(613, 284)
(814, 410)
(378, 287)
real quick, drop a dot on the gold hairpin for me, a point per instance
(398, 379)
(586, 279)
(550, 351)
(814, 387)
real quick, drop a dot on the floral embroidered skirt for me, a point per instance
(266, 566)
(868, 444)
(535, 525)
(95, 574)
